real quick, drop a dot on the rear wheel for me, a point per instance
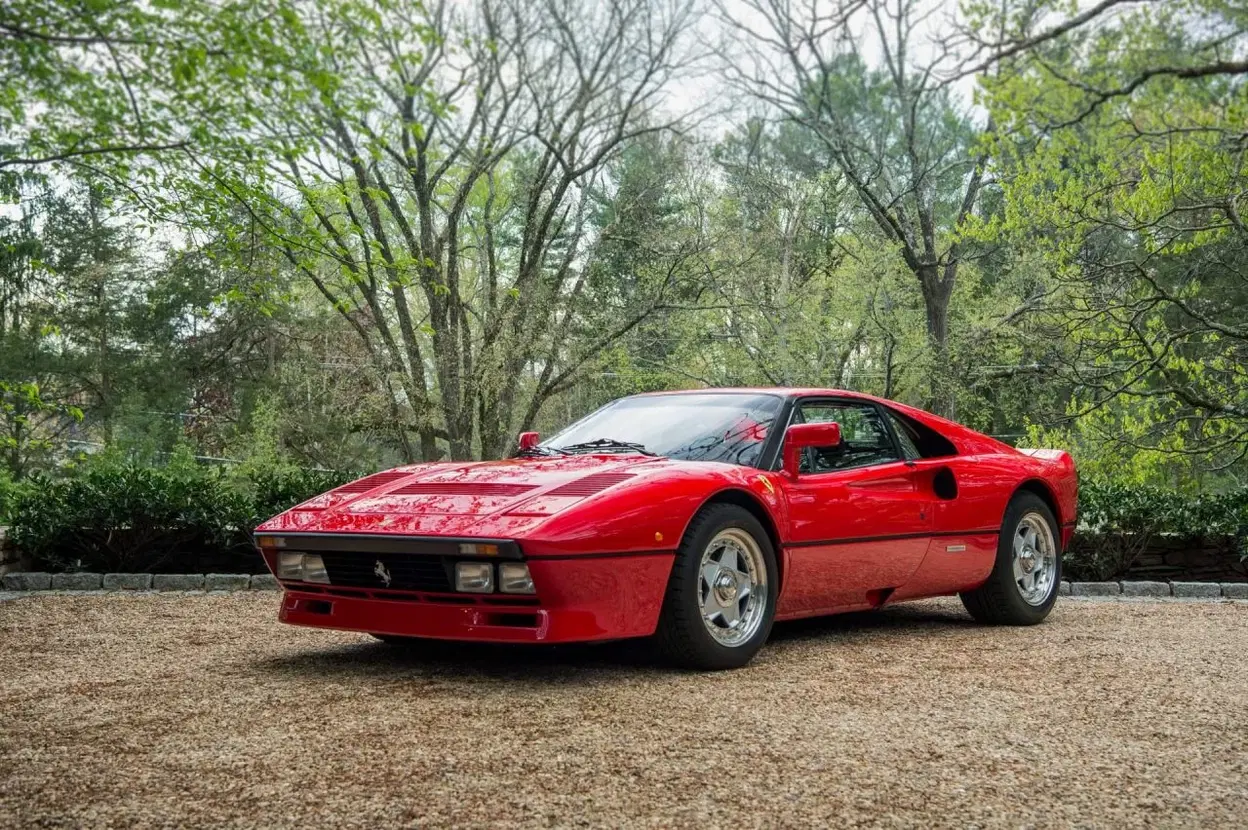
(1023, 585)
(721, 597)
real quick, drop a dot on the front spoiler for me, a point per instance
(579, 600)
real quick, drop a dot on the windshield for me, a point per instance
(725, 427)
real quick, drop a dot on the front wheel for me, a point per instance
(1023, 585)
(721, 598)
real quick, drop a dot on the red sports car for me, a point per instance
(698, 518)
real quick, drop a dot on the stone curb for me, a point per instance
(226, 582)
(1147, 589)
(1095, 589)
(127, 582)
(36, 582)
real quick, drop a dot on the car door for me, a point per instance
(858, 523)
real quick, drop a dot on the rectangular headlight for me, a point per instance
(514, 578)
(474, 577)
(290, 566)
(314, 569)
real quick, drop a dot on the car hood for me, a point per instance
(494, 499)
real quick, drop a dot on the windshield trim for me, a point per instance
(771, 447)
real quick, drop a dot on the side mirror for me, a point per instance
(529, 440)
(801, 436)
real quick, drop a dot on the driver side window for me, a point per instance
(865, 439)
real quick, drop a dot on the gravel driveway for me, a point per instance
(202, 710)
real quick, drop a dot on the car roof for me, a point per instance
(966, 439)
(782, 391)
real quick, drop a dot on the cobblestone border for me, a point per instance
(32, 582)
(83, 582)
(1155, 590)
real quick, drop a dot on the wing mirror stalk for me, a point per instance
(800, 436)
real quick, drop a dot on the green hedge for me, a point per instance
(129, 517)
(1117, 522)
(118, 516)
(1129, 508)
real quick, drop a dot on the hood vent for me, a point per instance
(461, 488)
(590, 484)
(369, 482)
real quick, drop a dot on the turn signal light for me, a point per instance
(477, 549)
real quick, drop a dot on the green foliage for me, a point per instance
(117, 515)
(11, 492)
(1117, 520)
(1123, 176)
(1115, 506)
(347, 232)
(22, 408)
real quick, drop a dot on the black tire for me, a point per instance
(682, 637)
(1000, 600)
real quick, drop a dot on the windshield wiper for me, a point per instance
(608, 445)
(538, 451)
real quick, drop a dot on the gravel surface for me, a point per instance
(202, 710)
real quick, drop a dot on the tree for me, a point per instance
(431, 170)
(1123, 163)
(895, 133)
(105, 86)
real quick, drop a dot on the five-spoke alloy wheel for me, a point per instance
(721, 597)
(1035, 559)
(733, 589)
(1023, 584)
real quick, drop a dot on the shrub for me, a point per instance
(120, 516)
(10, 492)
(113, 514)
(1117, 521)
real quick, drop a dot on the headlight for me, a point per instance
(302, 567)
(290, 566)
(314, 569)
(474, 577)
(514, 578)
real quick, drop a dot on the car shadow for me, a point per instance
(860, 624)
(578, 663)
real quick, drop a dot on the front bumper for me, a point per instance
(578, 599)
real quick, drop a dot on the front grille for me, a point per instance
(407, 573)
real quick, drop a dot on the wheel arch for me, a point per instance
(750, 503)
(1044, 492)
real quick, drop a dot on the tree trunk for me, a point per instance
(937, 293)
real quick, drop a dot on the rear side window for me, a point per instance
(918, 440)
(909, 448)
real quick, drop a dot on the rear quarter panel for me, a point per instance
(966, 529)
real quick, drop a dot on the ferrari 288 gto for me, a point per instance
(695, 518)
